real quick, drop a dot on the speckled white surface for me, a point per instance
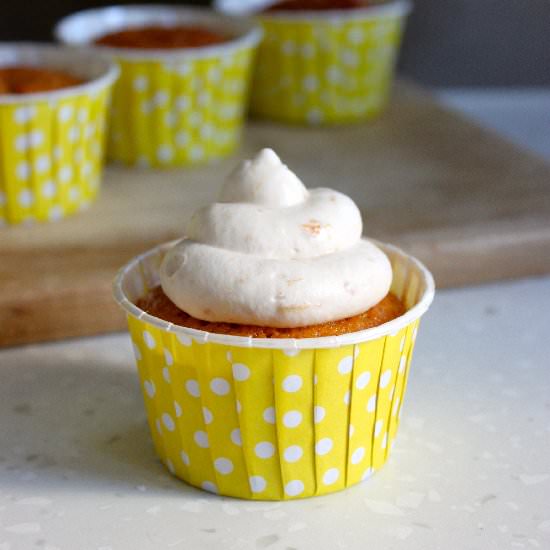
(470, 468)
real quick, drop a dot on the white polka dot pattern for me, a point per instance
(293, 453)
(207, 415)
(148, 339)
(292, 383)
(331, 476)
(292, 419)
(252, 423)
(50, 163)
(168, 422)
(175, 114)
(371, 403)
(240, 372)
(318, 414)
(323, 446)
(223, 466)
(192, 387)
(185, 458)
(325, 70)
(363, 380)
(257, 484)
(358, 455)
(169, 360)
(294, 488)
(347, 397)
(210, 487)
(265, 449)
(201, 439)
(385, 379)
(236, 437)
(269, 415)
(220, 386)
(345, 365)
(149, 387)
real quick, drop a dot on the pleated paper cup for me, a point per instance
(51, 143)
(327, 67)
(172, 107)
(273, 419)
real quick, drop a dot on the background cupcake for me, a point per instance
(53, 105)
(172, 106)
(273, 418)
(325, 61)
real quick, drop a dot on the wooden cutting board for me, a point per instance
(473, 207)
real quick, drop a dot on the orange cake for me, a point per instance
(19, 79)
(156, 303)
(162, 38)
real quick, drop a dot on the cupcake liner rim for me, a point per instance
(201, 336)
(393, 8)
(112, 18)
(33, 53)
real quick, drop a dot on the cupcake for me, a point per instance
(53, 105)
(273, 342)
(184, 81)
(326, 61)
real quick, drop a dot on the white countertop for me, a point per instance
(470, 469)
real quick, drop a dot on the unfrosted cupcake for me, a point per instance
(271, 412)
(184, 82)
(324, 61)
(53, 106)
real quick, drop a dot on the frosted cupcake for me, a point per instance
(184, 81)
(241, 398)
(53, 106)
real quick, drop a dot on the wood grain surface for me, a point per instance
(473, 207)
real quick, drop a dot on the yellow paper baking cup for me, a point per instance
(51, 143)
(273, 419)
(327, 67)
(172, 107)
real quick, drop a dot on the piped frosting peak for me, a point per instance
(274, 253)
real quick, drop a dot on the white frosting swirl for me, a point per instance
(272, 253)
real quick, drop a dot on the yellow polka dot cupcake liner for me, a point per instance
(273, 419)
(51, 143)
(172, 107)
(327, 67)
